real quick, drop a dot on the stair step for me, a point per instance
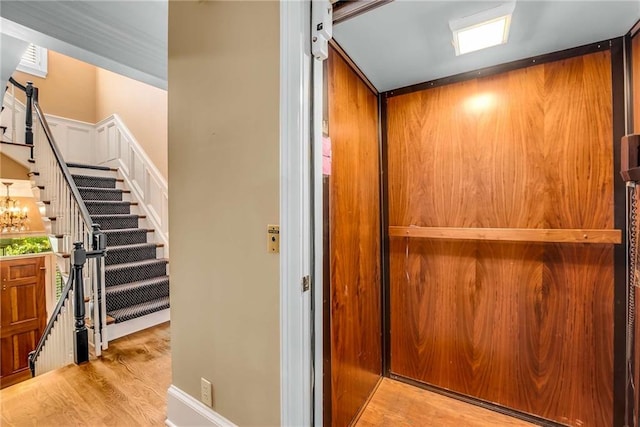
(136, 281)
(129, 253)
(102, 207)
(117, 221)
(126, 236)
(131, 294)
(94, 181)
(140, 310)
(135, 271)
(92, 193)
(94, 167)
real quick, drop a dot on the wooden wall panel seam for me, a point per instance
(620, 415)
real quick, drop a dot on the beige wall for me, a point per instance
(224, 160)
(35, 220)
(69, 90)
(11, 169)
(142, 107)
(81, 91)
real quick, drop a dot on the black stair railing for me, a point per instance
(71, 221)
(72, 296)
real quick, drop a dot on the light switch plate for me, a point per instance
(273, 238)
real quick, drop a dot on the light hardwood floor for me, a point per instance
(395, 404)
(126, 387)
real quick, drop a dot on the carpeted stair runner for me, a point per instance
(136, 281)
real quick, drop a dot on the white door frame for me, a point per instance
(295, 208)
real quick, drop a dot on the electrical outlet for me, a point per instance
(206, 392)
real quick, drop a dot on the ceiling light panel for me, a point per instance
(482, 30)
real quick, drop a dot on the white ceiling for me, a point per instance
(127, 37)
(12, 50)
(408, 41)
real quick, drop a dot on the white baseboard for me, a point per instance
(185, 410)
(118, 330)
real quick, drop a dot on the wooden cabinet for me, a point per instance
(23, 315)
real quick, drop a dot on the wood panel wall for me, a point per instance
(635, 70)
(525, 325)
(354, 242)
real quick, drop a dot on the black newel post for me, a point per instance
(99, 247)
(28, 134)
(80, 333)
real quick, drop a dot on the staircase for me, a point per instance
(136, 280)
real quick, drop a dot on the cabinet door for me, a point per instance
(23, 315)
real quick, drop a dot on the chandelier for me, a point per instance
(12, 218)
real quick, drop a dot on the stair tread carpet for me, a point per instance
(109, 202)
(125, 286)
(95, 167)
(96, 193)
(126, 236)
(100, 216)
(105, 190)
(127, 230)
(103, 207)
(136, 280)
(129, 253)
(118, 274)
(139, 310)
(136, 264)
(117, 221)
(94, 181)
(132, 246)
(128, 294)
(101, 178)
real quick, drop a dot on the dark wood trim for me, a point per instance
(344, 10)
(503, 68)
(628, 59)
(326, 265)
(326, 307)
(384, 237)
(620, 373)
(631, 175)
(334, 44)
(635, 29)
(477, 402)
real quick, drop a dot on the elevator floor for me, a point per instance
(397, 404)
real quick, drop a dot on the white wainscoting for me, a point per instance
(117, 147)
(109, 142)
(74, 138)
